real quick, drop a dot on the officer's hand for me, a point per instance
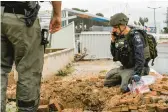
(112, 38)
(136, 78)
(55, 24)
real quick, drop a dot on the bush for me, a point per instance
(65, 71)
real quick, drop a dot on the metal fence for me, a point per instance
(96, 44)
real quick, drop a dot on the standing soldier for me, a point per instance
(127, 48)
(21, 43)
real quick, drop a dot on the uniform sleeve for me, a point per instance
(112, 49)
(138, 45)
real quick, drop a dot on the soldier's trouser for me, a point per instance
(118, 76)
(21, 45)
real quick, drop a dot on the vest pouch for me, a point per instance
(117, 55)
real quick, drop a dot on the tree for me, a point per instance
(100, 14)
(165, 29)
(135, 22)
(143, 20)
(139, 23)
(82, 10)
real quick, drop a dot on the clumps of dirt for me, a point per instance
(91, 95)
(11, 79)
(88, 94)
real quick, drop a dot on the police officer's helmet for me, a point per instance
(119, 19)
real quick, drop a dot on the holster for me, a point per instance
(29, 9)
(44, 40)
(31, 15)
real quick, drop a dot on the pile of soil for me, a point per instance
(89, 94)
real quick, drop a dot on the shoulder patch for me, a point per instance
(137, 38)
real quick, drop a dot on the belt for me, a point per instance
(14, 10)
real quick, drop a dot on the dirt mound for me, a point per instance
(89, 94)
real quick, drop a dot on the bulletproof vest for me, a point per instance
(123, 52)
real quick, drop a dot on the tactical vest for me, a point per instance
(124, 52)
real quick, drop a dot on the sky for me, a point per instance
(134, 8)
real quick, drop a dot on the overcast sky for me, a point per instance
(135, 9)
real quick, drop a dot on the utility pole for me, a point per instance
(154, 8)
(166, 21)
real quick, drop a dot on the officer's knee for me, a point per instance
(108, 76)
(110, 83)
(111, 73)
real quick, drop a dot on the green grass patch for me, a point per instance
(103, 71)
(65, 71)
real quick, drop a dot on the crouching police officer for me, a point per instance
(21, 43)
(128, 48)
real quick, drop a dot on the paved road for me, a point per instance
(161, 62)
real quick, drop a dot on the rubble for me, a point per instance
(89, 95)
(43, 108)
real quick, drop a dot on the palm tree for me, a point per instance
(143, 20)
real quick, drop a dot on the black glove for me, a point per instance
(136, 78)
